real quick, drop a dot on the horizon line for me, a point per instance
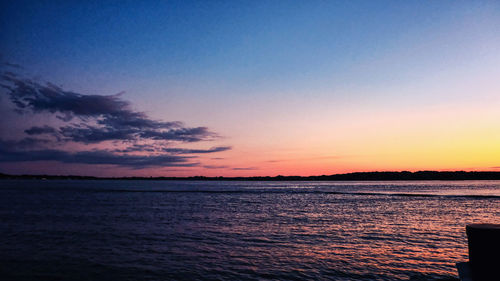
(362, 176)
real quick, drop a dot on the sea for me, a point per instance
(239, 230)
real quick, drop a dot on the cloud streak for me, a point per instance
(215, 167)
(196, 151)
(40, 130)
(245, 168)
(94, 157)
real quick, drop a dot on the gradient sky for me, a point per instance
(261, 87)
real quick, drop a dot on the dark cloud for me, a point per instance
(9, 153)
(139, 141)
(171, 150)
(136, 120)
(109, 110)
(23, 144)
(28, 95)
(40, 130)
(196, 151)
(137, 148)
(180, 134)
(102, 118)
(91, 134)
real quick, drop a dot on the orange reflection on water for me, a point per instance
(396, 236)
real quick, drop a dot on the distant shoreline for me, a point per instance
(357, 176)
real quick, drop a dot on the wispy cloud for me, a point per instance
(11, 65)
(215, 167)
(245, 168)
(7, 154)
(196, 151)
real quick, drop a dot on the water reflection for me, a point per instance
(89, 231)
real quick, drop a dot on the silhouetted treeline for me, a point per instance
(359, 176)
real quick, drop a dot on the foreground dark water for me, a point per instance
(166, 230)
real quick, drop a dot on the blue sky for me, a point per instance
(234, 64)
(246, 42)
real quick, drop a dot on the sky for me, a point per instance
(248, 88)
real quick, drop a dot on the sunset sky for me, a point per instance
(248, 88)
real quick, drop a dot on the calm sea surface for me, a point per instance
(189, 230)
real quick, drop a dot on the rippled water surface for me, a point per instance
(182, 230)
